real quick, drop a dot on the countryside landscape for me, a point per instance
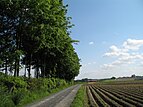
(115, 94)
(71, 53)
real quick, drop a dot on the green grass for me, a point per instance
(80, 98)
(22, 99)
(18, 91)
(37, 96)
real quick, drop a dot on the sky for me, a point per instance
(111, 37)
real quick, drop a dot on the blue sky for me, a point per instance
(111, 36)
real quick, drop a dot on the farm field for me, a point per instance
(115, 94)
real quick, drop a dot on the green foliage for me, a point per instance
(113, 78)
(79, 99)
(13, 83)
(17, 91)
(18, 95)
(36, 33)
(5, 97)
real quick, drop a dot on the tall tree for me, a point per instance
(35, 33)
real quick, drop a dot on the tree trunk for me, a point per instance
(29, 67)
(29, 70)
(25, 72)
(15, 70)
(37, 72)
(6, 65)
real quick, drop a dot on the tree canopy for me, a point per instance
(35, 34)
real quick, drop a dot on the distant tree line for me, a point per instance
(34, 34)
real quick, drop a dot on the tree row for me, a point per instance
(34, 34)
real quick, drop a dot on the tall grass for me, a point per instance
(19, 91)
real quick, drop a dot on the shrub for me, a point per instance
(13, 83)
(18, 95)
(5, 97)
(17, 91)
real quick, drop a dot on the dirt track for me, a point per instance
(63, 98)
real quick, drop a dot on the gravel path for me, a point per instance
(63, 98)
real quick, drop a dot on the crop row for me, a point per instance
(91, 100)
(100, 97)
(127, 98)
(125, 93)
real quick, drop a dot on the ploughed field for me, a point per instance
(115, 94)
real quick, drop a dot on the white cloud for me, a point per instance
(133, 44)
(91, 43)
(123, 55)
(90, 63)
(131, 57)
(114, 48)
(116, 64)
(114, 51)
(125, 59)
(106, 66)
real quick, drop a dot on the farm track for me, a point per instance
(111, 96)
(63, 98)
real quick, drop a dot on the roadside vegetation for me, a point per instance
(81, 99)
(36, 51)
(19, 91)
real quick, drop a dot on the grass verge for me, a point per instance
(38, 96)
(81, 98)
